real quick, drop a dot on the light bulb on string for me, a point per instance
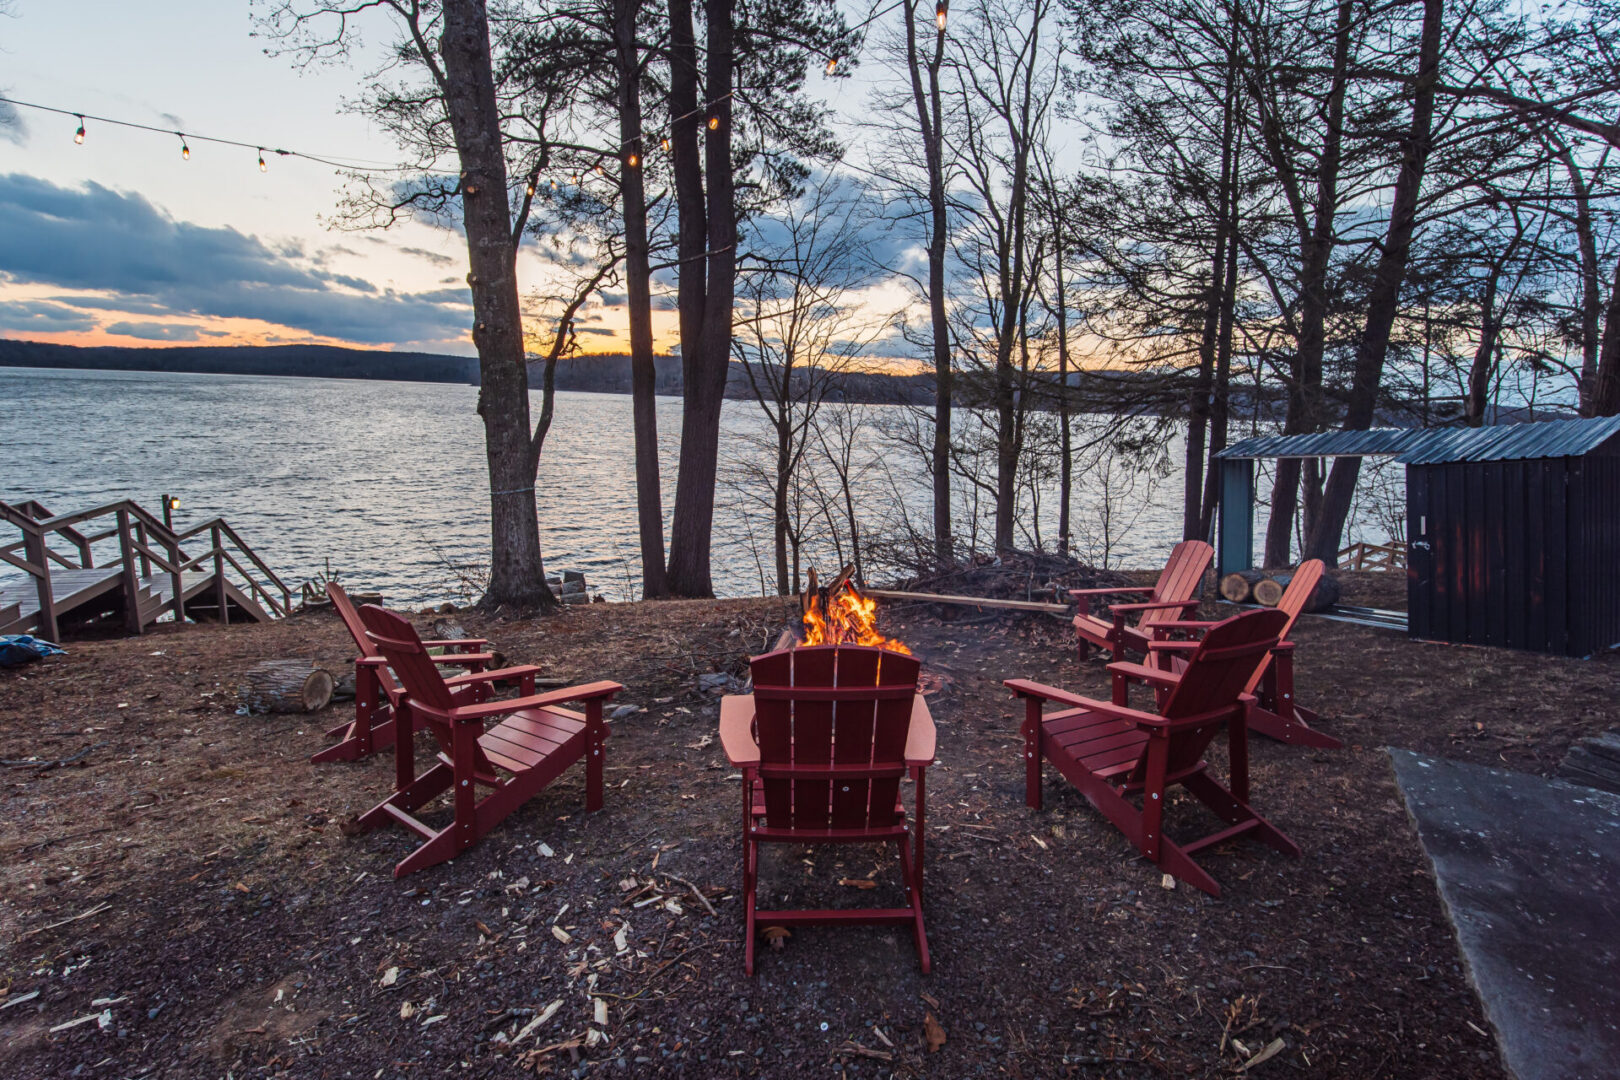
(262, 166)
(529, 190)
(714, 123)
(663, 144)
(576, 178)
(78, 136)
(832, 64)
(633, 160)
(939, 15)
(185, 151)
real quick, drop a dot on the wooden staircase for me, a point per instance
(155, 571)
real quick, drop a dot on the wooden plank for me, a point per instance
(970, 601)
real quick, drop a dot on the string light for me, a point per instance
(633, 160)
(714, 123)
(530, 189)
(600, 171)
(939, 15)
(663, 144)
(78, 136)
(185, 151)
(832, 63)
(262, 166)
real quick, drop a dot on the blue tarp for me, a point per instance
(19, 649)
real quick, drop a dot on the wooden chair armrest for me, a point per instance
(456, 659)
(491, 676)
(1166, 645)
(371, 661)
(487, 709)
(1182, 626)
(1024, 688)
(475, 644)
(1145, 673)
(736, 729)
(1283, 648)
(1153, 605)
(920, 736)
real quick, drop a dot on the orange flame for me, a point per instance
(852, 620)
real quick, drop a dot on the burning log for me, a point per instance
(840, 614)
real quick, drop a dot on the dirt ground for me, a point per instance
(187, 885)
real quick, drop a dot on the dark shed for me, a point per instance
(1513, 530)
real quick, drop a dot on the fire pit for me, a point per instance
(837, 614)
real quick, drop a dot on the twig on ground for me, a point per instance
(704, 900)
(44, 765)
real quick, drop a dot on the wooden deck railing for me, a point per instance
(144, 541)
(1364, 556)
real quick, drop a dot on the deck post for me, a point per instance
(219, 577)
(34, 553)
(1237, 516)
(177, 579)
(131, 583)
(140, 534)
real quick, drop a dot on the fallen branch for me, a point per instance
(43, 766)
(704, 900)
(97, 910)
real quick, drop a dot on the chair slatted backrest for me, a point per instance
(357, 630)
(1180, 579)
(1216, 674)
(831, 723)
(1292, 604)
(397, 640)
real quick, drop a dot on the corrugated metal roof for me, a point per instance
(1512, 442)
(1324, 444)
(1434, 446)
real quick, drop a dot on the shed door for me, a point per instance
(1419, 554)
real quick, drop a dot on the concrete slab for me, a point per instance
(1529, 870)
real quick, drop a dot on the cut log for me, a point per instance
(1269, 592)
(285, 686)
(1238, 586)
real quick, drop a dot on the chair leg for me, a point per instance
(1032, 753)
(915, 899)
(595, 741)
(750, 871)
(1158, 753)
(1209, 791)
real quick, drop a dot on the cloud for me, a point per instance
(431, 256)
(97, 239)
(152, 331)
(43, 317)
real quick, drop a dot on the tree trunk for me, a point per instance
(929, 122)
(1483, 365)
(643, 373)
(1606, 397)
(517, 573)
(1065, 436)
(784, 474)
(691, 531)
(1591, 301)
(1383, 299)
(1316, 256)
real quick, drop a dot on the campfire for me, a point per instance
(837, 614)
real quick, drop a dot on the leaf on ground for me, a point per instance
(1270, 1050)
(777, 936)
(482, 929)
(858, 883)
(933, 1032)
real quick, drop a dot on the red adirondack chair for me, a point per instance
(1112, 752)
(1175, 594)
(823, 743)
(532, 744)
(1276, 712)
(377, 693)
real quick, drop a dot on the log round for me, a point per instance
(1268, 590)
(1238, 586)
(285, 686)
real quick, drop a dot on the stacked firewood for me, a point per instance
(1265, 587)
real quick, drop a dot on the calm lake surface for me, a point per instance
(387, 479)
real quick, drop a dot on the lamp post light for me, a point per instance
(171, 503)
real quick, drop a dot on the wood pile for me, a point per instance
(1266, 588)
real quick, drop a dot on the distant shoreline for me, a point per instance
(606, 373)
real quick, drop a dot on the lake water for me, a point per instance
(387, 479)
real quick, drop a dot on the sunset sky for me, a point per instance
(120, 241)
